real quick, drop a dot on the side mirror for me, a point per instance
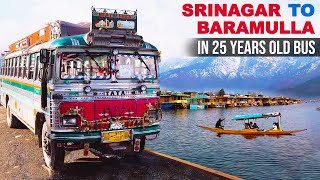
(40, 74)
(44, 56)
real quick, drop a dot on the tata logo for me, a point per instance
(115, 93)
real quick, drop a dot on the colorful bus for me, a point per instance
(91, 86)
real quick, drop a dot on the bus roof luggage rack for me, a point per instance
(109, 27)
(52, 31)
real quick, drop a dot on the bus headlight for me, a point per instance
(143, 88)
(69, 120)
(87, 89)
(115, 52)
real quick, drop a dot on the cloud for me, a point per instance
(160, 22)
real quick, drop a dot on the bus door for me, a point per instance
(37, 82)
(42, 78)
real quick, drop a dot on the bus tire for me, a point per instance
(143, 142)
(12, 121)
(52, 154)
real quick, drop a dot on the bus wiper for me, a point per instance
(89, 54)
(140, 58)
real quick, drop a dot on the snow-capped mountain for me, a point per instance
(175, 63)
(238, 73)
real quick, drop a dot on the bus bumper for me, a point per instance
(91, 137)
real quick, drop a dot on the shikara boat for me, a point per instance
(255, 132)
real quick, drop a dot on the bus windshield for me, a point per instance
(78, 65)
(98, 66)
(136, 67)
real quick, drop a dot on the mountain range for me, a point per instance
(310, 88)
(276, 75)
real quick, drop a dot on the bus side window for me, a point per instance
(7, 67)
(38, 68)
(7, 62)
(16, 66)
(19, 66)
(3, 67)
(50, 69)
(31, 66)
(12, 67)
(27, 67)
(23, 65)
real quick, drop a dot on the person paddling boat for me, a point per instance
(218, 123)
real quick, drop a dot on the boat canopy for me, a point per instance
(256, 116)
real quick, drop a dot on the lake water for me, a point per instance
(263, 157)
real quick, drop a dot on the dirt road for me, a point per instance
(21, 158)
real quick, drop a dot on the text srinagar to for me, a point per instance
(249, 10)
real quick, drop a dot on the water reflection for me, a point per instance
(274, 157)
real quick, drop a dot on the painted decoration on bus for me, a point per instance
(105, 24)
(101, 114)
(42, 35)
(22, 44)
(125, 24)
(114, 19)
(52, 31)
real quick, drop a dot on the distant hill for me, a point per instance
(238, 74)
(310, 88)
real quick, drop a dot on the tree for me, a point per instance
(221, 92)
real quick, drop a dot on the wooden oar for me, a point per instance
(295, 131)
(206, 127)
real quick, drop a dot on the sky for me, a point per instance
(160, 22)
